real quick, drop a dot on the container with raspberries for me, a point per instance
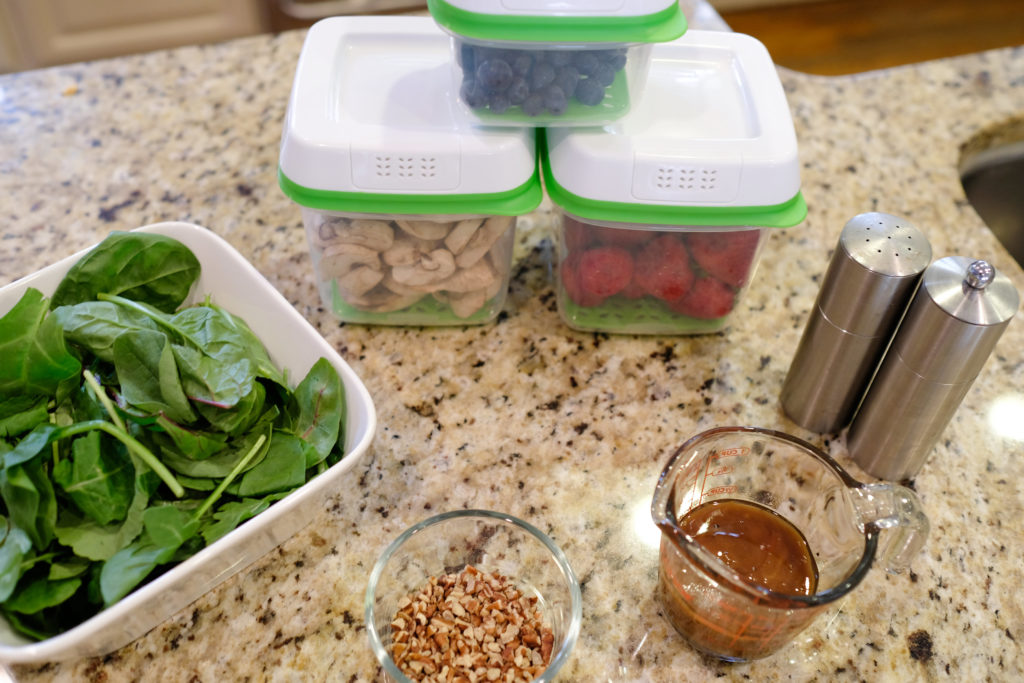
(664, 214)
(409, 215)
(552, 63)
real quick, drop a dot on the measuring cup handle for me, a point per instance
(898, 512)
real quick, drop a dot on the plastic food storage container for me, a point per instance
(663, 215)
(552, 62)
(410, 216)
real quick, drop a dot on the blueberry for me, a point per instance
(586, 61)
(603, 74)
(567, 78)
(589, 92)
(494, 75)
(472, 95)
(518, 91)
(533, 105)
(542, 76)
(616, 59)
(555, 100)
(466, 57)
(521, 63)
(499, 103)
(557, 58)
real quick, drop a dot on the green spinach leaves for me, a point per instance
(134, 432)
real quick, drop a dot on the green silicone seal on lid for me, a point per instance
(783, 215)
(514, 202)
(657, 27)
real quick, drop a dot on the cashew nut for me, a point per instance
(429, 269)
(483, 239)
(465, 304)
(376, 235)
(359, 280)
(460, 235)
(425, 230)
(406, 250)
(380, 300)
(479, 276)
(340, 258)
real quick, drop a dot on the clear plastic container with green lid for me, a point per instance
(664, 214)
(552, 63)
(410, 216)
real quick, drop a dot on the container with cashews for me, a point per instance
(410, 215)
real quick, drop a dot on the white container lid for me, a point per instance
(711, 143)
(370, 125)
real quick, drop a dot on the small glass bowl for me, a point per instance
(490, 541)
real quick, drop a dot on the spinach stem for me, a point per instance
(239, 466)
(102, 397)
(133, 445)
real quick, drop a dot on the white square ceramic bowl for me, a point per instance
(294, 345)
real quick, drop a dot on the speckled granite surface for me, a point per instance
(567, 430)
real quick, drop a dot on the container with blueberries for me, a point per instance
(664, 213)
(548, 63)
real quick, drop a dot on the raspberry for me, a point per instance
(708, 299)
(605, 271)
(570, 276)
(725, 255)
(663, 268)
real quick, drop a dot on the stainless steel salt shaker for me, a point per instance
(874, 270)
(958, 314)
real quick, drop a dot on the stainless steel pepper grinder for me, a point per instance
(958, 314)
(874, 270)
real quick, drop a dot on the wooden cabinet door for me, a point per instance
(49, 32)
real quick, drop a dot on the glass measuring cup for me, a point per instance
(723, 613)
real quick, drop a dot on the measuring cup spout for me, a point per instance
(896, 514)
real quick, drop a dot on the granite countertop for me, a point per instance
(568, 430)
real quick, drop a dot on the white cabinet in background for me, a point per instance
(39, 33)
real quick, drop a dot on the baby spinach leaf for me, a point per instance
(41, 436)
(318, 407)
(100, 542)
(14, 548)
(94, 325)
(169, 525)
(145, 364)
(98, 477)
(283, 468)
(30, 500)
(229, 515)
(239, 417)
(225, 337)
(129, 567)
(41, 593)
(68, 567)
(208, 380)
(154, 269)
(194, 444)
(36, 360)
(20, 414)
(218, 465)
